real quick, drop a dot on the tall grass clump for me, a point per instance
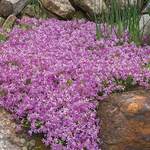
(123, 18)
(97, 21)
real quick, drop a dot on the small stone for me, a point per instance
(32, 143)
(24, 148)
(9, 23)
(22, 141)
(3, 92)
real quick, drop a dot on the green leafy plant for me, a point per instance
(26, 124)
(3, 37)
(123, 18)
(127, 83)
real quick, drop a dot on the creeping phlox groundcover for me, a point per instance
(53, 76)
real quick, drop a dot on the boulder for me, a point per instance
(12, 140)
(146, 10)
(18, 5)
(8, 7)
(9, 138)
(145, 23)
(125, 121)
(62, 8)
(90, 7)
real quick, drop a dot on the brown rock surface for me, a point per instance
(90, 7)
(126, 121)
(61, 8)
(11, 140)
(6, 8)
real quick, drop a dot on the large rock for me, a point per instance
(9, 139)
(12, 140)
(18, 5)
(8, 7)
(146, 10)
(126, 121)
(90, 7)
(145, 24)
(61, 8)
(145, 27)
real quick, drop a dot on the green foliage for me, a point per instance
(147, 65)
(123, 18)
(69, 82)
(33, 2)
(38, 123)
(36, 5)
(26, 123)
(62, 142)
(127, 83)
(3, 37)
(146, 1)
(24, 26)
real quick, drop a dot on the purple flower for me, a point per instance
(55, 73)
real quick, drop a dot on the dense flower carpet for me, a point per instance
(53, 76)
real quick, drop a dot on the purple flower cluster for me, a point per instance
(53, 75)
